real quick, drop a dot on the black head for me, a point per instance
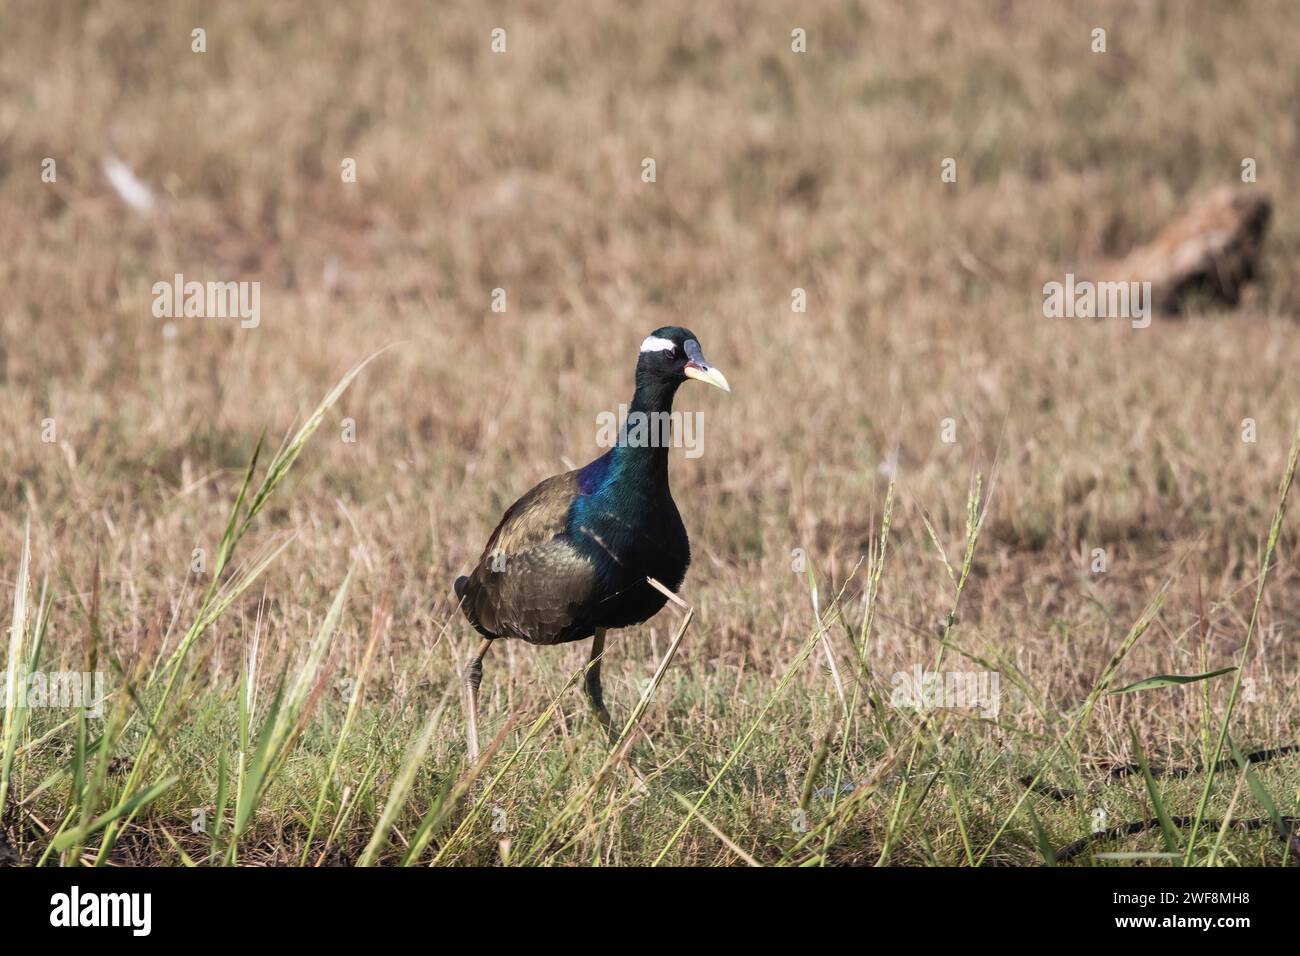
(672, 355)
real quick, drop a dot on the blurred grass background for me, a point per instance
(775, 171)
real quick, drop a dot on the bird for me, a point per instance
(571, 559)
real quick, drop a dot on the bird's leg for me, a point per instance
(473, 677)
(594, 693)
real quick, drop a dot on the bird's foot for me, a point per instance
(602, 716)
(597, 700)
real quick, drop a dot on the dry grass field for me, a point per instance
(127, 437)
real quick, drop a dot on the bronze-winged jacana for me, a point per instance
(570, 559)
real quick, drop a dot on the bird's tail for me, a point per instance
(461, 587)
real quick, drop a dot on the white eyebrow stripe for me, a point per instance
(653, 343)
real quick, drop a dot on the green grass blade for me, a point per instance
(1171, 680)
(16, 673)
(1275, 531)
(1168, 832)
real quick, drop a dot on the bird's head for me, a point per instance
(672, 355)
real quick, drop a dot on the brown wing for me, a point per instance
(531, 583)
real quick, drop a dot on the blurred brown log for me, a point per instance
(1211, 251)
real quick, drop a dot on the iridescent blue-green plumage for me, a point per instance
(572, 556)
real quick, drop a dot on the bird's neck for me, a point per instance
(653, 396)
(641, 455)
